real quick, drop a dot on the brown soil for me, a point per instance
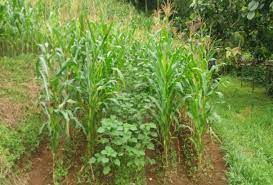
(41, 167)
(213, 172)
(10, 112)
(217, 172)
(32, 89)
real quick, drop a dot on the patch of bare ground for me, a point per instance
(18, 90)
(40, 172)
(213, 172)
(33, 90)
(10, 112)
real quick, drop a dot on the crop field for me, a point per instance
(106, 92)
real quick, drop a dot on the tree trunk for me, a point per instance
(146, 6)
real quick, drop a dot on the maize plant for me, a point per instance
(99, 79)
(200, 88)
(19, 27)
(85, 75)
(83, 69)
(59, 107)
(166, 78)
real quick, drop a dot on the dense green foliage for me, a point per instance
(124, 145)
(243, 30)
(82, 77)
(19, 29)
(247, 24)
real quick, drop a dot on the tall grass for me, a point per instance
(27, 23)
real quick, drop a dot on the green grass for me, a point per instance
(246, 130)
(17, 75)
(22, 136)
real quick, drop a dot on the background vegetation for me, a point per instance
(243, 31)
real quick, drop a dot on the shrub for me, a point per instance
(123, 144)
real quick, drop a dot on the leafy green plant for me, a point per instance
(99, 78)
(91, 70)
(166, 85)
(79, 80)
(200, 89)
(60, 172)
(59, 108)
(123, 144)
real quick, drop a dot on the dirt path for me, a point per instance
(41, 172)
(41, 167)
(218, 164)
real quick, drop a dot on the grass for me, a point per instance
(246, 130)
(16, 74)
(19, 119)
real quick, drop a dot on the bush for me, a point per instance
(123, 144)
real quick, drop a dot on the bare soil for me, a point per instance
(41, 167)
(13, 112)
(213, 172)
(10, 112)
